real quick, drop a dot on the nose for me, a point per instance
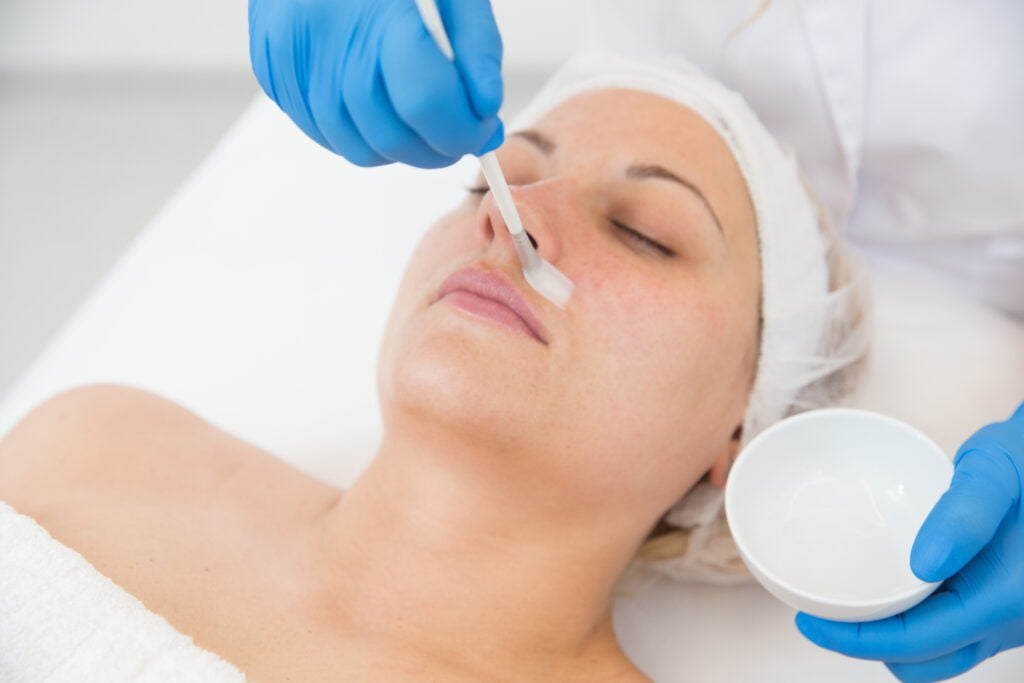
(539, 204)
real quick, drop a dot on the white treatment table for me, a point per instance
(256, 299)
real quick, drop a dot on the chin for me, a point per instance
(466, 374)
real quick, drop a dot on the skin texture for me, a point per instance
(515, 479)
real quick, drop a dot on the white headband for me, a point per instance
(794, 268)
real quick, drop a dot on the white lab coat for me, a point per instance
(906, 115)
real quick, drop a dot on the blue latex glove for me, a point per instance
(973, 539)
(366, 80)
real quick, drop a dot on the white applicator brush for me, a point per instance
(540, 274)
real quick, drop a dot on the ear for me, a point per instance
(719, 471)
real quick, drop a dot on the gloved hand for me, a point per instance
(366, 80)
(974, 537)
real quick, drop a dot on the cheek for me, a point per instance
(672, 362)
(445, 243)
(644, 317)
(682, 325)
(438, 252)
(672, 347)
(446, 240)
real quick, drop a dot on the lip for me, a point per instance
(495, 286)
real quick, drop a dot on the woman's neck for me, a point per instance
(432, 553)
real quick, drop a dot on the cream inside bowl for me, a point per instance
(824, 507)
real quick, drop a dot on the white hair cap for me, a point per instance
(798, 309)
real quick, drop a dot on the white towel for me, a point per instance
(61, 620)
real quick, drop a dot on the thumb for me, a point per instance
(986, 484)
(477, 46)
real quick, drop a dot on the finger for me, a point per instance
(378, 124)
(939, 625)
(426, 90)
(340, 130)
(984, 487)
(259, 51)
(941, 668)
(496, 141)
(280, 68)
(477, 44)
(327, 105)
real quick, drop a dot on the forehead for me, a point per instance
(629, 115)
(642, 127)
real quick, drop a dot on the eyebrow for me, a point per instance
(643, 171)
(636, 172)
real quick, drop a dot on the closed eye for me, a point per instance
(632, 235)
(642, 240)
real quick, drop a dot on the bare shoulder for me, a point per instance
(108, 437)
(172, 509)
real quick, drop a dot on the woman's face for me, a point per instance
(636, 388)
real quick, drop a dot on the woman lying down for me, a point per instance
(530, 455)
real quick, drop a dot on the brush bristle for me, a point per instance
(550, 283)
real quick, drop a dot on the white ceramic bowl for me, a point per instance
(824, 507)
